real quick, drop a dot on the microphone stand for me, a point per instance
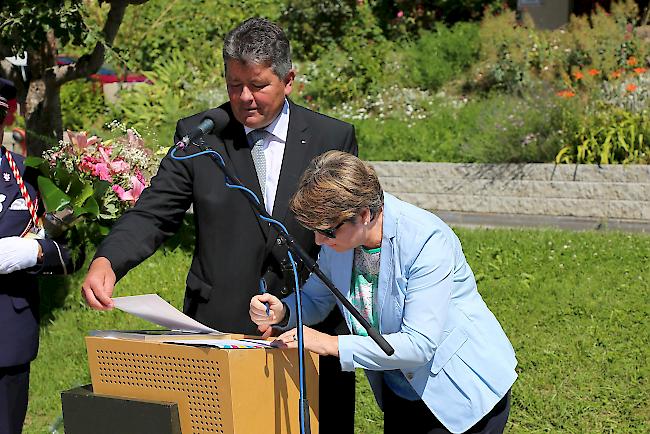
(311, 265)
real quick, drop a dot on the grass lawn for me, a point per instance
(574, 304)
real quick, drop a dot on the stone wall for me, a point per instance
(613, 193)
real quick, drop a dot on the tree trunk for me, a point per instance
(42, 103)
(42, 116)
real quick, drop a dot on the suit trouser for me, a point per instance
(14, 391)
(421, 421)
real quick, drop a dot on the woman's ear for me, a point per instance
(366, 216)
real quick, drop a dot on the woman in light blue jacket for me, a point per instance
(404, 269)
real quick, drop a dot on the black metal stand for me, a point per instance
(297, 250)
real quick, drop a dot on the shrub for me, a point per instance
(314, 26)
(82, 105)
(437, 57)
(159, 27)
(179, 89)
(514, 54)
(407, 17)
(496, 129)
(609, 136)
(352, 69)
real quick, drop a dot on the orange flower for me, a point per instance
(593, 72)
(631, 87)
(615, 74)
(631, 61)
(639, 70)
(566, 94)
(578, 75)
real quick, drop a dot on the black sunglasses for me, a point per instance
(330, 232)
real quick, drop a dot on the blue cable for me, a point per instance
(299, 323)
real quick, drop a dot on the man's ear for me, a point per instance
(288, 82)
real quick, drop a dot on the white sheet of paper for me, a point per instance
(156, 310)
(223, 343)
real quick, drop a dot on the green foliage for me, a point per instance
(179, 89)
(435, 58)
(158, 28)
(574, 305)
(313, 25)
(352, 69)
(25, 23)
(497, 128)
(400, 18)
(82, 105)
(610, 136)
(514, 53)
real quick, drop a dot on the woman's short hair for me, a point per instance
(336, 187)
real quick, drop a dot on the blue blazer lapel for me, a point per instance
(386, 266)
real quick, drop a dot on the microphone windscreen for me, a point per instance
(220, 119)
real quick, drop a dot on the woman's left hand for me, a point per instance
(315, 341)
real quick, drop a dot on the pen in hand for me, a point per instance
(262, 291)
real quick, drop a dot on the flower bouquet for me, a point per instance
(86, 183)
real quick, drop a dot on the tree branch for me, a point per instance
(90, 63)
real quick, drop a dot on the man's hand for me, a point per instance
(99, 283)
(17, 254)
(258, 312)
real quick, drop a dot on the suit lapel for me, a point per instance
(295, 160)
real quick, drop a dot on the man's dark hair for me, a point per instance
(259, 41)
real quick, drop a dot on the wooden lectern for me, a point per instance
(226, 391)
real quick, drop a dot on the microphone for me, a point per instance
(214, 121)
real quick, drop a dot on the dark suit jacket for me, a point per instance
(233, 248)
(19, 290)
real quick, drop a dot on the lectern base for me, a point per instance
(87, 413)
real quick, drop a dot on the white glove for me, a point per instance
(17, 254)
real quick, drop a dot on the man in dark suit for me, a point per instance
(24, 253)
(268, 142)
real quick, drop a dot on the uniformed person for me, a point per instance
(24, 253)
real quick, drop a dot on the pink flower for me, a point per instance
(131, 195)
(119, 166)
(81, 141)
(400, 14)
(101, 170)
(134, 139)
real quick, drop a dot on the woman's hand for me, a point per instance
(315, 341)
(265, 316)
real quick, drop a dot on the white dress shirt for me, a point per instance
(273, 147)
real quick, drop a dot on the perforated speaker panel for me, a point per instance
(238, 391)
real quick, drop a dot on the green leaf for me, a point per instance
(86, 192)
(53, 197)
(34, 162)
(89, 207)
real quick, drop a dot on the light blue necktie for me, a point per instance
(256, 139)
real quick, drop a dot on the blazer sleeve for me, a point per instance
(57, 259)
(156, 216)
(426, 303)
